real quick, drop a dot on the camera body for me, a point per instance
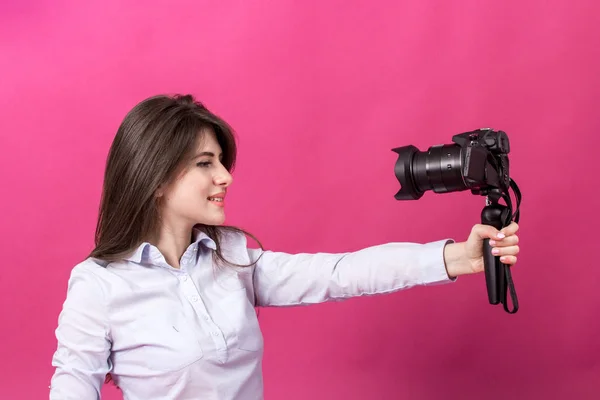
(476, 161)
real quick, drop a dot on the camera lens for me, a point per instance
(438, 169)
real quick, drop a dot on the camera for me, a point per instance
(477, 161)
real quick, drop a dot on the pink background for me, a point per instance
(319, 92)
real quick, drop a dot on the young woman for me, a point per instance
(164, 304)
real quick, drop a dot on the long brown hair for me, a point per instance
(151, 146)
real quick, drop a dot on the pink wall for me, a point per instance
(319, 94)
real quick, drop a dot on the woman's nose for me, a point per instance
(223, 178)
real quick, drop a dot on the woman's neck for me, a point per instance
(172, 243)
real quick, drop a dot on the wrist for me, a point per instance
(455, 259)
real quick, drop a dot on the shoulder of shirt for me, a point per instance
(89, 276)
(90, 267)
(234, 247)
(233, 239)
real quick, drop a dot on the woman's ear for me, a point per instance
(160, 192)
(163, 188)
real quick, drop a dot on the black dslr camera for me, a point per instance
(477, 161)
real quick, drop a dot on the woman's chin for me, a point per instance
(212, 217)
(215, 221)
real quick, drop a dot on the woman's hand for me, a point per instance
(467, 257)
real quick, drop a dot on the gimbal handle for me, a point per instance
(497, 274)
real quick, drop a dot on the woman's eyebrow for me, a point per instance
(204, 153)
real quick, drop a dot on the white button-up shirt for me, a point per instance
(192, 332)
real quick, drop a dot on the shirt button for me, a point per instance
(194, 298)
(215, 333)
(206, 317)
(184, 278)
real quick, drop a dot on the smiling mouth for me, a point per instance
(218, 201)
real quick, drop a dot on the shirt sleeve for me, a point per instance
(81, 360)
(282, 279)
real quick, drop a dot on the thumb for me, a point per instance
(481, 231)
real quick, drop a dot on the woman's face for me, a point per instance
(197, 196)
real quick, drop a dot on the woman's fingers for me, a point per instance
(505, 251)
(511, 229)
(507, 241)
(509, 260)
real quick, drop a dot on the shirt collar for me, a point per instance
(142, 252)
(201, 237)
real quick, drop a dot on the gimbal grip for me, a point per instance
(493, 273)
(495, 279)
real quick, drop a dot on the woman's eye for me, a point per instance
(204, 164)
